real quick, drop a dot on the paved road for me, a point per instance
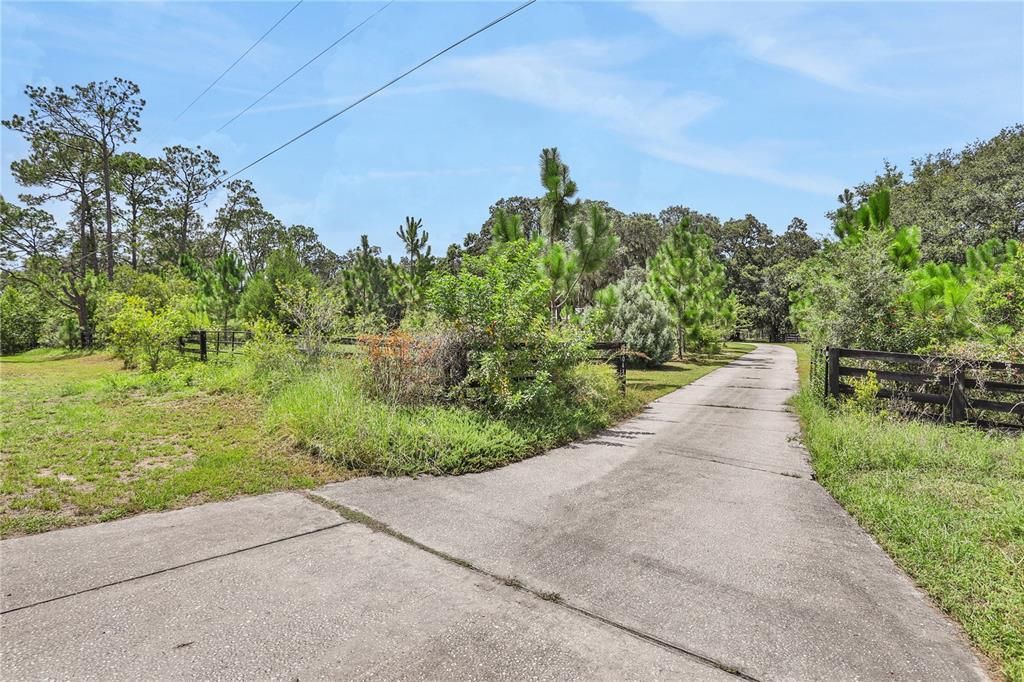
(688, 543)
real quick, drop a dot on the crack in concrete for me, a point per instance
(729, 407)
(787, 474)
(354, 515)
(171, 568)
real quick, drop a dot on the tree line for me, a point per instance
(130, 215)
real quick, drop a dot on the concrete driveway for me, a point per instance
(690, 542)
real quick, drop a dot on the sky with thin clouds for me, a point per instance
(729, 108)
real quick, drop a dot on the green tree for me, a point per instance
(507, 227)
(526, 209)
(226, 284)
(685, 275)
(373, 286)
(557, 206)
(35, 252)
(104, 115)
(189, 175)
(418, 261)
(312, 253)
(139, 182)
(21, 319)
(262, 295)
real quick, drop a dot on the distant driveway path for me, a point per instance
(687, 543)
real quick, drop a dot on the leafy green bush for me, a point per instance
(1001, 298)
(498, 304)
(271, 359)
(21, 321)
(143, 338)
(632, 315)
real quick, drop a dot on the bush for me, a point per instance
(1001, 299)
(21, 321)
(641, 321)
(402, 369)
(143, 338)
(271, 359)
(850, 296)
(313, 314)
(498, 304)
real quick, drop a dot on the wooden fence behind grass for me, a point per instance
(203, 342)
(983, 392)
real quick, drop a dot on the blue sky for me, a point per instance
(730, 108)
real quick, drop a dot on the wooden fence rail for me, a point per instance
(962, 388)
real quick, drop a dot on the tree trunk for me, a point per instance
(109, 215)
(679, 339)
(183, 237)
(134, 236)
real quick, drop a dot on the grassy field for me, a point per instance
(947, 503)
(82, 440)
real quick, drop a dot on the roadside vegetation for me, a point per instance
(464, 361)
(946, 502)
(931, 265)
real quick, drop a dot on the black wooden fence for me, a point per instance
(951, 389)
(203, 342)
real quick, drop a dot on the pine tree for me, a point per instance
(685, 275)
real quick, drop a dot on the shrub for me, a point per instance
(21, 321)
(641, 321)
(402, 369)
(145, 338)
(313, 314)
(498, 305)
(1001, 299)
(270, 358)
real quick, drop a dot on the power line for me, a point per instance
(234, 63)
(296, 71)
(383, 87)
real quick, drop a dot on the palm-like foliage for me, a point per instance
(557, 205)
(508, 227)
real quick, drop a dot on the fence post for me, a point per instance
(202, 345)
(957, 399)
(832, 373)
(620, 369)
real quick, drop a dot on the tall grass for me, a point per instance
(329, 413)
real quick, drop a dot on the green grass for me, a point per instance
(82, 440)
(947, 503)
(650, 384)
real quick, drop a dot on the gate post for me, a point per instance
(202, 345)
(832, 373)
(957, 399)
(620, 370)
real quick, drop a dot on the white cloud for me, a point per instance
(579, 78)
(820, 45)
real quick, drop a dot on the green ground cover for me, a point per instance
(82, 440)
(947, 503)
